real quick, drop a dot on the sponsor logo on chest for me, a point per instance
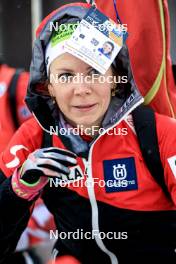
(120, 175)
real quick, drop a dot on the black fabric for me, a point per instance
(18, 257)
(12, 97)
(47, 140)
(151, 234)
(14, 216)
(144, 122)
(2, 177)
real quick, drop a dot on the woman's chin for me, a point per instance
(87, 122)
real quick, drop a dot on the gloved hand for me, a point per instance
(39, 166)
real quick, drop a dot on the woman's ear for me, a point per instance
(51, 90)
(51, 93)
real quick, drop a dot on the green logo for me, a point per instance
(64, 32)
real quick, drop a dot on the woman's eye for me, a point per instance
(64, 77)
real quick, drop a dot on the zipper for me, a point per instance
(91, 193)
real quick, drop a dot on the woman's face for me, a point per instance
(81, 103)
(107, 48)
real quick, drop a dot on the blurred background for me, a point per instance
(18, 22)
(172, 11)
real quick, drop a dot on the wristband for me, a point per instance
(27, 190)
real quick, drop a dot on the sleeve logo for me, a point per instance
(15, 162)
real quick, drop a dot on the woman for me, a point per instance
(106, 204)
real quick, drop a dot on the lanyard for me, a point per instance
(93, 2)
(115, 7)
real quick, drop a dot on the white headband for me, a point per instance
(57, 42)
(53, 52)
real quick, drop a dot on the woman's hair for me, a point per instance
(122, 89)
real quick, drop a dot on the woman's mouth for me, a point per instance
(85, 108)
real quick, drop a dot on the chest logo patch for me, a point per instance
(120, 175)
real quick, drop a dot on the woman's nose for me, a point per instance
(82, 89)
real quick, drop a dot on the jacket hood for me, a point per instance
(40, 104)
